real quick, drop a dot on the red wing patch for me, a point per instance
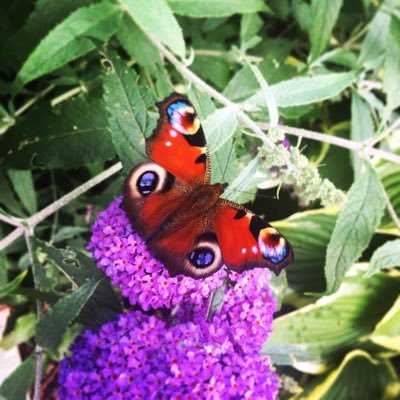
(178, 143)
(247, 241)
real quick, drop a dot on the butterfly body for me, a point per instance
(173, 205)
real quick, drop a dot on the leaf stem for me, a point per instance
(391, 210)
(35, 219)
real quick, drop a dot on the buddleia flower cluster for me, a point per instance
(167, 346)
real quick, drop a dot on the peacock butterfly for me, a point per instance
(172, 204)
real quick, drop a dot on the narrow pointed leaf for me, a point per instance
(357, 221)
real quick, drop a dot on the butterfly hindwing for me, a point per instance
(247, 241)
(178, 143)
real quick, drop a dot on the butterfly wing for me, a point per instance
(178, 143)
(247, 241)
(160, 207)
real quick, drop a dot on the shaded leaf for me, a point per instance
(71, 135)
(11, 286)
(359, 376)
(324, 14)
(156, 18)
(386, 256)
(55, 321)
(128, 118)
(356, 223)
(7, 198)
(387, 330)
(299, 91)
(16, 385)
(216, 8)
(23, 185)
(71, 39)
(77, 266)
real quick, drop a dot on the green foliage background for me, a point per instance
(78, 83)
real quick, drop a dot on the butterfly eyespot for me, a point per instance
(202, 257)
(147, 182)
(183, 118)
(272, 245)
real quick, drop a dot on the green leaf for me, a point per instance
(357, 221)
(23, 330)
(11, 286)
(250, 24)
(391, 77)
(216, 8)
(387, 330)
(362, 126)
(7, 198)
(69, 136)
(78, 267)
(238, 190)
(302, 13)
(138, 45)
(309, 233)
(16, 385)
(23, 185)
(389, 174)
(299, 91)
(266, 92)
(386, 256)
(55, 321)
(219, 127)
(155, 17)
(128, 118)
(71, 39)
(374, 42)
(311, 337)
(359, 376)
(324, 14)
(44, 17)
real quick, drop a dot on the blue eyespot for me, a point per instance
(147, 182)
(175, 107)
(201, 257)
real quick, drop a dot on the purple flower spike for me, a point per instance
(141, 357)
(123, 256)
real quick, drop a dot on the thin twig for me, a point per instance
(392, 211)
(336, 141)
(14, 221)
(35, 219)
(32, 101)
(67, 95)
(373, 141)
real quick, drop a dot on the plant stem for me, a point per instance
(336, 141)
(35, 219)
(14, 221)
(39, 312)
(392, 211)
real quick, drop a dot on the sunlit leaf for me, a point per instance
(216, 8)
(156, 18)
(355, 225)
(386, 256)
